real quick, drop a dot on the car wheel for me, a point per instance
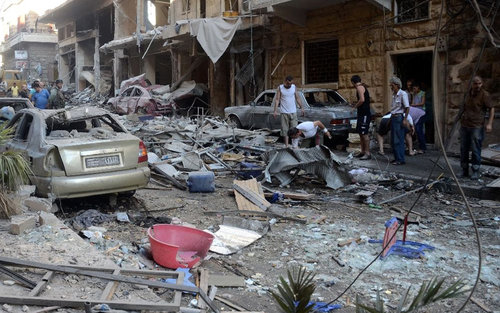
(234, 121)
(141, 110)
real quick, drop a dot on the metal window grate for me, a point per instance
(321, 61)
(412, 10)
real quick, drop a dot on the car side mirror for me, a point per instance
(253, 103)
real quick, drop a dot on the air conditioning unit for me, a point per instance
(245, 6)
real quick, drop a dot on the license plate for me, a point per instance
(353, 123)
(109, 160)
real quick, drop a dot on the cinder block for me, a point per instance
(25, 191)
(38, 204)
(48, 219)
(21, 223)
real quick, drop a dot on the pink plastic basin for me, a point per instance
(175, 246)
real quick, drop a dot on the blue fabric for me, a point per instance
(398, 138)
(419, 129)
(323, 307)
(471, 139)
(41, 98)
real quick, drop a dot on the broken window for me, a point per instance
(321, 59)
(266, 99)
(412, 10)
(323, 98)
(186, 5)
(58, 126)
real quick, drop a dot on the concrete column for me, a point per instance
(149, 68)
(79, 62)
(117, 69)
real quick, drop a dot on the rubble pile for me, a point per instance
(84, 97)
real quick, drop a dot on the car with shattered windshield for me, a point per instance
(78, 152)
(16, 103)
(325, 105)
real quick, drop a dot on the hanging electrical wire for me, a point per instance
(494, 41)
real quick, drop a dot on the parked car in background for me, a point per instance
(79, 152)
(16, 103)
(134, 99)
(325, 105)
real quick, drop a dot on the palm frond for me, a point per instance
(428, 293)
(294, 296)
(7, 208)
(14, 171)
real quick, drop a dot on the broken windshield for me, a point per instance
(323, 98)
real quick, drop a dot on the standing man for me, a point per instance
(473, 126)
(364, 116)
(56, 99)
(307, 130)
(14, 90)
(399, 113)
(24, 93)
(285, 98)
(41, 97)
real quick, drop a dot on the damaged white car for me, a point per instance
(78, 153)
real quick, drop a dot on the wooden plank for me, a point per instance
(41, 284)
(226, 280)
(110, 289)
(244, 203)
(254, 197)
(111, 277)
(230, 304)
(79, 303)
(203, 274)
(291, 195)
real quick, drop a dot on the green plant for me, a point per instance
(294, 296)
(14, 170)
(427, 294)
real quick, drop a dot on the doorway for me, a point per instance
(418, 67)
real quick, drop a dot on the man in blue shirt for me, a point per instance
(41, 97)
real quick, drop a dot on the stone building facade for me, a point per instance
(375, 42)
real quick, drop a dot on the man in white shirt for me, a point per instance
(285, 97)
(400, 108)
(307, 130)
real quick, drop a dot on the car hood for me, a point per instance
(87, 154)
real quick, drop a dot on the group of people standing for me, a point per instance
(41, 97)
(407, 116)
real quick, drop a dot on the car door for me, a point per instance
(138, 101)
(262, 114)
(22, 125)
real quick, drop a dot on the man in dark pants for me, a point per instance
(400, 108)
(473, 126)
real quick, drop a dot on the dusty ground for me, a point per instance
(330, 217)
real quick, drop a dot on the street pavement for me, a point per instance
(420, 166)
